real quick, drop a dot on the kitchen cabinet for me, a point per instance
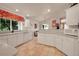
(53, 39)
(27, 37)
(68, 46)
(12, 41)
(47, 39)
(7, 50)
(76, 47)
(59, 42)
(19, 39)
(72, 15)
(3, 38)
(16, 38)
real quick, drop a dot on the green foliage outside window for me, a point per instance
(14, 25)
(5, 25)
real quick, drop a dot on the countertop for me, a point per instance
(10, 33)
(57, 32)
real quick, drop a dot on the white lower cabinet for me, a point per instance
(59, 42)
(76, 47)
(4, 38)
(47, 39)
(19, 38)
(27, 37)
(52, 39)
(68, 46)
(12, 40)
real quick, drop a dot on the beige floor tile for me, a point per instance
(33, 48)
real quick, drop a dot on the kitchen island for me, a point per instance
(68, 44)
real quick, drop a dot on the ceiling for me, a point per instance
(36, 11)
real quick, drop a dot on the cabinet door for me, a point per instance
(68, 46)
(25, 37)
(59, 42)
(12, 40)
(29, 36)
(52, 39)
(47, 39)
(19, 38)
(3, 38)
(76, 47)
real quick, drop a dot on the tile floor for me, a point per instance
(33, 48)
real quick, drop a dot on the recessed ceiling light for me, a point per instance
(28, 15)
(49, 10)
(17, 10)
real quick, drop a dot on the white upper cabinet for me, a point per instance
(72, 15)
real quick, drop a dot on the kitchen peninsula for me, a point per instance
(68, 44)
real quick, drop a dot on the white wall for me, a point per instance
(45, 22)
(34, 22)
(57, 17)
(20, 25)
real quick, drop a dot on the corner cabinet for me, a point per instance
(72, 15)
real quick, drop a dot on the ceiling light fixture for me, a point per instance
(17, 10)
(49, 10)
(28, 15)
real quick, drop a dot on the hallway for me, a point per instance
(33, 48)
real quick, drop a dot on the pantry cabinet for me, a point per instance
(72, 15)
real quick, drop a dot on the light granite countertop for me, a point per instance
(10, 33)
(57, 32)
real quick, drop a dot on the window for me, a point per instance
(45, 26)
(5, 25)
(14, 25)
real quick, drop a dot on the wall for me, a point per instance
(32, 22)
(45, 22)
(56, 16)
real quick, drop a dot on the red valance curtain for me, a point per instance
(11, 16)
